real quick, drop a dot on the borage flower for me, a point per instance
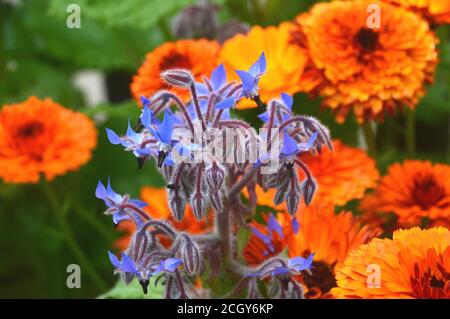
(120, 207)
(285, 61)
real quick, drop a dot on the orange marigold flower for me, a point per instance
(369, 70)
(158, 208)
(414, 264)
(330, 236)
(285, 62)
(41, 136)
(435, 11)
(413, 191)
(342, 175)
(198, 56)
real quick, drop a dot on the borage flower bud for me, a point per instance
(178, 77)
(198, 205)
(216, 201)
(177, 204)
(309, 187)
(191, 257)
(293, 198)
(215, 176)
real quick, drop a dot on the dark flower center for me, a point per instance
(427, 192)
(31, 129)
(321, 277)
(430, 283)
(367, 39)
(175, 61)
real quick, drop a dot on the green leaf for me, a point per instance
(138, 14)
(134, 291)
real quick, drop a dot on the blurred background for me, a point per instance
(90, 69)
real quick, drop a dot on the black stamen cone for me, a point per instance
(260, 103)
(161, 157)
(138, 127)
(290, 168)
(173, 187)
(140, 162)
(144, 285)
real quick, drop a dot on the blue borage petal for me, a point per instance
(114, 260)
(118, 217)
(145, 101)
(100, 191)
(312, 139)
(132, 134)
(266, 239)
(226, 114)
(264, 116)
(274, 226)
(147, 116)
(248, 81)
(218, 77)
(226, 103)
(295, 225)
(166, 128)
(280, 271)
(262, 63)
(170, 264)
(137, 202)
(288, 100)
(113, 137)
(300, 263)
(289, 145)
(127, 264)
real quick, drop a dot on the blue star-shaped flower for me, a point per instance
(116, 202)
(251, 77)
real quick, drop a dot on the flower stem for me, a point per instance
(55, 207)
(369, 137)
(93, 221)
(410, 133)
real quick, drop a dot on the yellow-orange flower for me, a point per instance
(413, 190)
(198, 56)
(435, 11)
(342, 175)
(370, 70)
(158, 208)
(330, 236)
(41, 136)
(285, 62)
(414, 264)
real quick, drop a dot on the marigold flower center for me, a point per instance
(321, 277)
(429, 283)
(367, 39)
(31, 129)
(175, 61)
(426, 192)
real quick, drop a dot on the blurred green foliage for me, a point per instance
(39, 55)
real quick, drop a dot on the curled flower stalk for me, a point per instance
(207, 159)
